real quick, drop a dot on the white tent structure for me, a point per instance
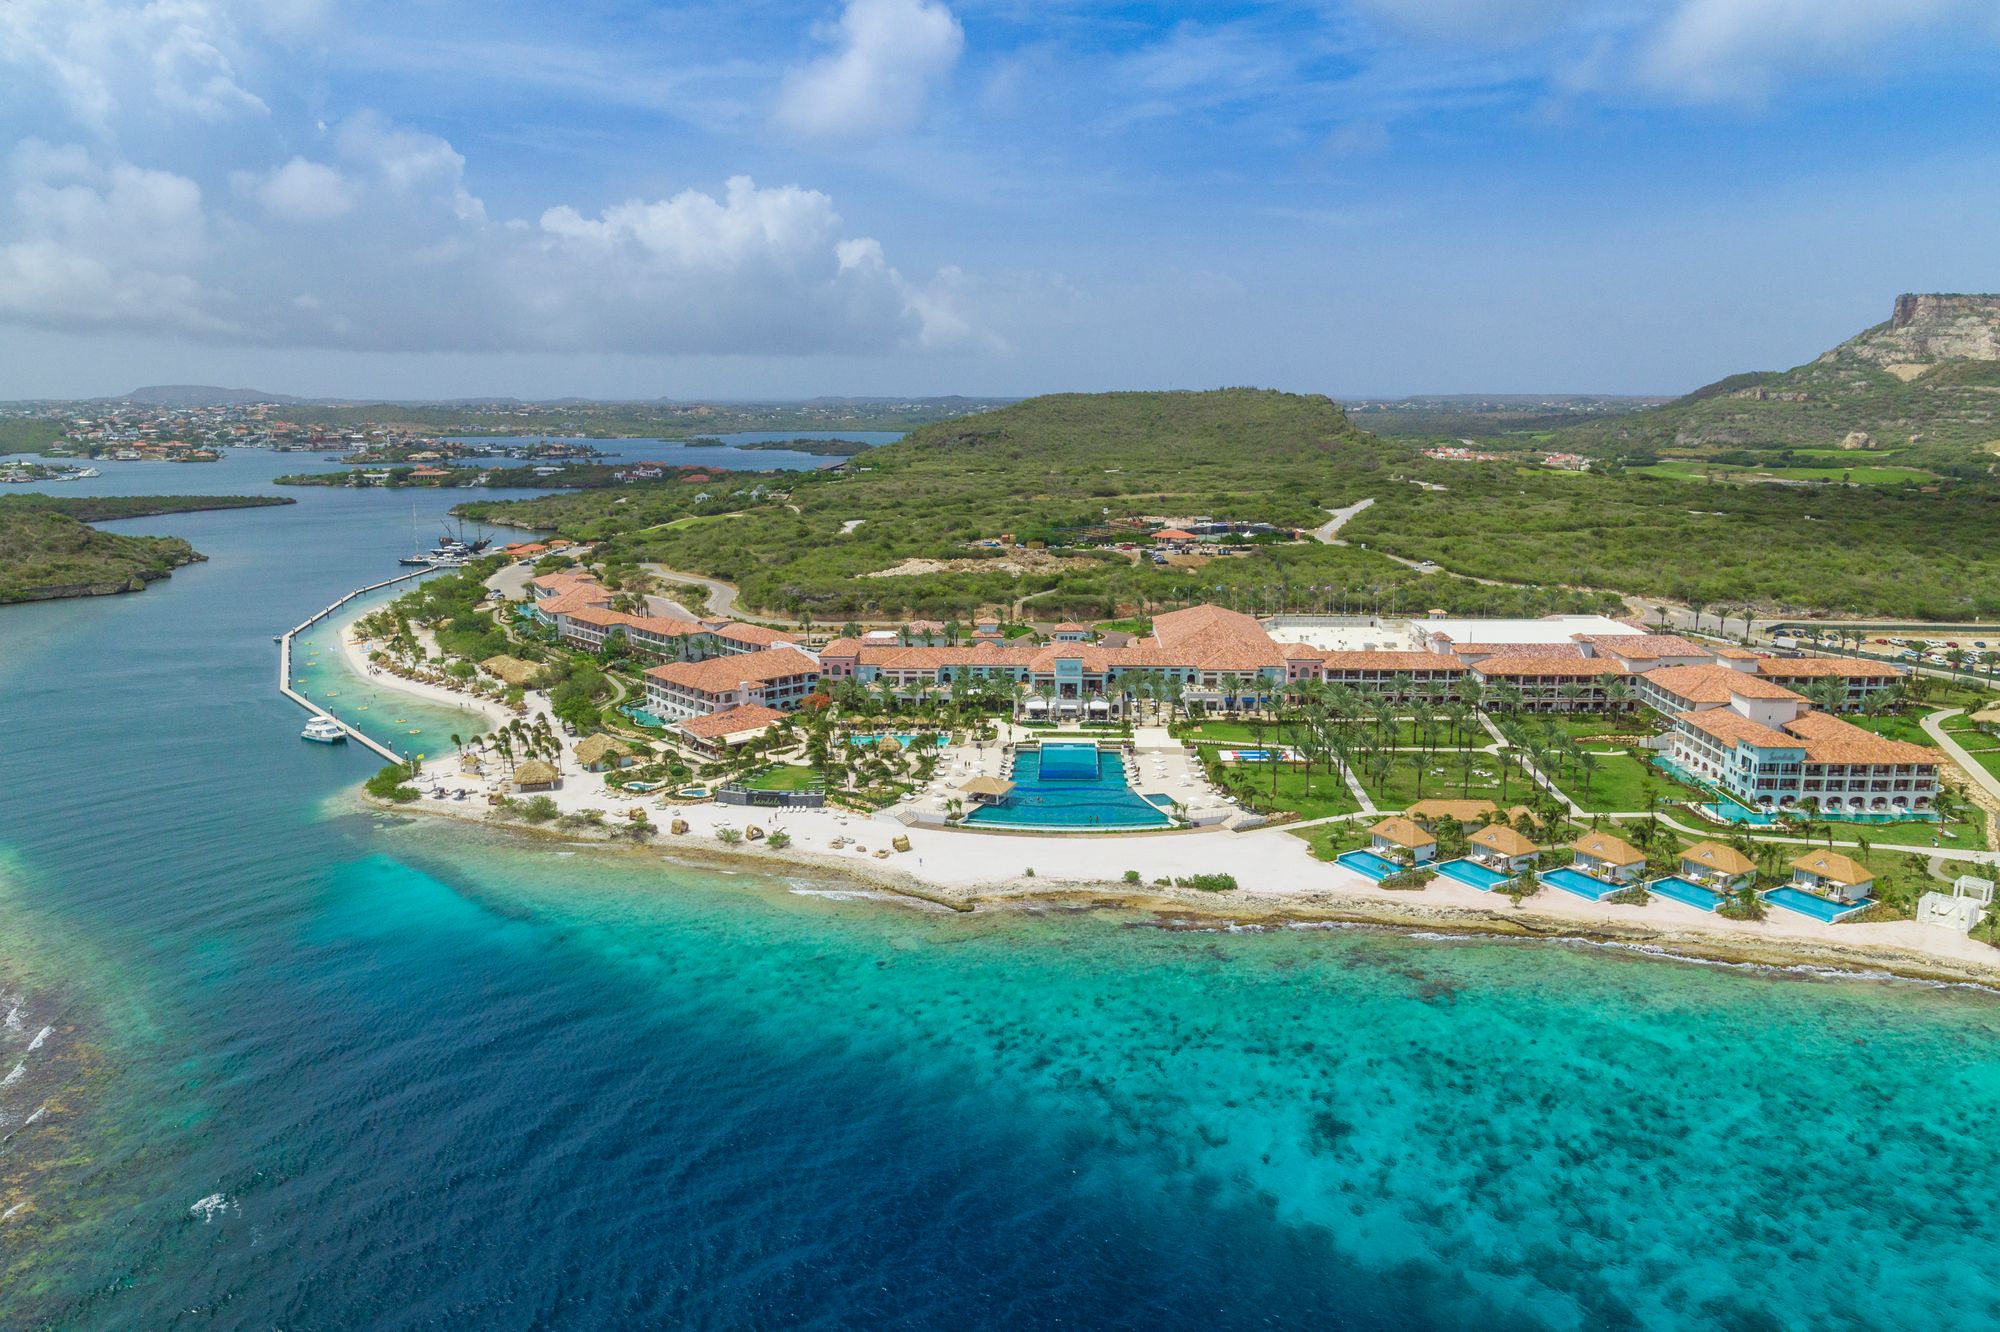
(1960, 909)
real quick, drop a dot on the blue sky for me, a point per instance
(1359, 197)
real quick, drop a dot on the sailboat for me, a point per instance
(416, 560)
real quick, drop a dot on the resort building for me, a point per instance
(1394, 675)
(1804, 674)
(1397, 836)
(1444, 634)
(1766, 750)
(1071, 632)
(776, 678)
(1501, 848)
(716, 733)
(1831, 874)
(1673, 690)
(1557, 681)
(1603, 856)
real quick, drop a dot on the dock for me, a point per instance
(285, 663)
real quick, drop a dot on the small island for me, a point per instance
(49, 551)
(819, 448)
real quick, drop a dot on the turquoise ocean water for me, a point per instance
(310, 1068)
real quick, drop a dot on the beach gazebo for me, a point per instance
(987, 790)
(537, 775)
(598, 752)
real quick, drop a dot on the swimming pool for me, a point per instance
(643, 717)
(1687, 893)
(1810, 904)
(1368, 864)
(1474, 873)
(1576, 881)
(1070, 786)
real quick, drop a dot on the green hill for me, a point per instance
(47, 551)
(896, 531)
(1924, 387)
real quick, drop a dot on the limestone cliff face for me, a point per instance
(1927, 329)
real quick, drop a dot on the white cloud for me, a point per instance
(103, 56)
(1738, 50)
(890, 54)
(404, 257)
(303, 191)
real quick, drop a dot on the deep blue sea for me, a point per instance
(308, 1067)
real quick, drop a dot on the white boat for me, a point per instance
(323, 730)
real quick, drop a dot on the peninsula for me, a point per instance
(49, 551)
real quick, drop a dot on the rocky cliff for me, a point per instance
(1926, 330)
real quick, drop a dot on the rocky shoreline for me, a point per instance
(1179, 908)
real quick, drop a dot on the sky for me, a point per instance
(767, 199)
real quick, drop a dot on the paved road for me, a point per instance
(721, 595)
(1326, 532)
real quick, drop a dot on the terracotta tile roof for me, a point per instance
(842, 647)
(1730, 727)
(1723, 859)
(1392, 661)
(733, 721)
(978, 655)
(1818, 668)
(1717, 684)
(1828, 739)
(575, 599)
(719, 675)
(1512, 649)
(1736, 654)
(1072, 627)
(1172, 534)
(1642, 647)
(755, 634)
(1603, 846)
(1402, 832)
(1503, 840)
(1299, 652)
(1215, 639)
(1832, 865)
(1546, 664)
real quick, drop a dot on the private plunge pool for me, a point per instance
(1070, 788)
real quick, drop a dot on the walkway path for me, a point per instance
(1975, 770)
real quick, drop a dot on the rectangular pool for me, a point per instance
(1676, 889)
(1085, 791)
(1576, 881)
(1811, 904)
(1474, 873)
(1368, 864)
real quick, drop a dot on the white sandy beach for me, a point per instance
(1277, 872)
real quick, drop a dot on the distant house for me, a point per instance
(1402, 837)
(1071, 632)
(1833, 875)
(1602, 856)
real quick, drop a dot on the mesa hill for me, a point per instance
(1924, 385)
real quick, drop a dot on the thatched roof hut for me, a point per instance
(601, 750)
(537, 775)
(509, 670)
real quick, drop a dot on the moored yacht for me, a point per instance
(324, 730)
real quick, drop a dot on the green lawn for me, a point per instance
(1619, 784)
(782, 777)
(1328, 793)
(1586, 726)
(1137, 628)
(1441, 780)
(1904, 726)
(1690, 470)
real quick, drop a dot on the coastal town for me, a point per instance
(1583, 769)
